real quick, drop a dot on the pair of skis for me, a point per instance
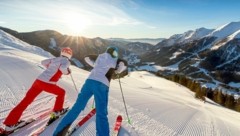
(117, 124)
(41, 129)
(29, 121)
(116, 129)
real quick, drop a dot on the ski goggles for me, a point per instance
(115, 54)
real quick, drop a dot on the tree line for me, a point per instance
(218, 95)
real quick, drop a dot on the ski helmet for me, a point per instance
(113, 51)
(66, 52)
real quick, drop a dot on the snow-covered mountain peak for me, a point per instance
(225, 30)
(223, 41)
(175, 36)
(187, 36)
(201, 32)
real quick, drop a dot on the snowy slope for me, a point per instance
(225, 34)
(157, 107)
(225, 30)
(11, 41)
(199, 33)
(235, 35)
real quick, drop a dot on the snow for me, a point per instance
(226, 40)
(132, 58)
(225, 30)
(152, 68)
(155, 68)
(230, 59)
(188, 36)
(196, 64)
(233, 84)
(9, 40)
(77, 62)
(196, 34)
(199, 33)
(219, 44)
(53, 43)
(235, 35)
(209, 85)
(142, 40)
(156, 106)
(175, 54)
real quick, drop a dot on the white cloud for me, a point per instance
(152, 27)
(98, 12)
(2, 22)
(104, 12)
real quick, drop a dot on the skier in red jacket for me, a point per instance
(46, 81)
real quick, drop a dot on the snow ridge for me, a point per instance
(226, 30)
(11, 41)
(187, 36)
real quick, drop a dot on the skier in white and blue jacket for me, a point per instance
(106, 66)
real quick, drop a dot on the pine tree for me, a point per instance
(215, 94)
(237, 105)
(183, 80)
(176, 78)
(229, 102)
(219, 97)
(200, 93)
(210, 93)
(189, 82)
(193, 86)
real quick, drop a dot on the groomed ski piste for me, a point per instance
(156, 106)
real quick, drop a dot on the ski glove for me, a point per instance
(89, 61)
(120, 68)
(69, 71)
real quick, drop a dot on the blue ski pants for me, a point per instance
(100, 92)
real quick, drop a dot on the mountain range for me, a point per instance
(52, 41)
(142, 40)
(209, 56)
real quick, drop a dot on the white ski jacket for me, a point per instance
(55, 67)
(101, 66)
(104, 67)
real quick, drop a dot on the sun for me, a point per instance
(76, 23)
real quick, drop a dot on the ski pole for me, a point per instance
(93, 103)
(129, 121)
(73, 82)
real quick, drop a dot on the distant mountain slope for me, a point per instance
(52, 41)
(225, 30)
(185, 37)
(209, 56)
(141, 40)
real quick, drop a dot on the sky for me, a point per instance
(117, 18)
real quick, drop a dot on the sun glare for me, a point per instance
(76, 23)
